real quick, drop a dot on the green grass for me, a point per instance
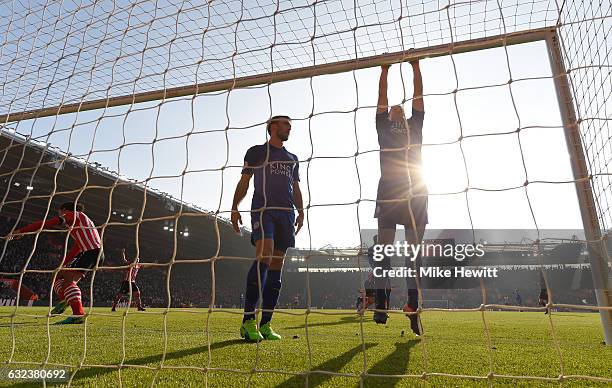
(522, 344)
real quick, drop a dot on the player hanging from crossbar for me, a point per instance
(402, 194)
(129, 283)
(84, 255)
(276, 172)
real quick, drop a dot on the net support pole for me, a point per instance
(582, 178)
(286, 75)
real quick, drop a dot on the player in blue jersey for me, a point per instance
(402, 194)
(276, 196)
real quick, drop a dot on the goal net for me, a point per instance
(143, 111)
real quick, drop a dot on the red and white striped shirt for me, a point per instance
(131, 273)
(82, 230)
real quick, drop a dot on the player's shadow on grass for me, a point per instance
(342, 321)
(394, 364)
(333, 365)
(156, 358)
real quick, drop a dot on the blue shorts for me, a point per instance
(278, 225)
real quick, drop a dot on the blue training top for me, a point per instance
(281, 171)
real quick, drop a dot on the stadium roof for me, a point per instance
(35, 177)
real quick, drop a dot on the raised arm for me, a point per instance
(241, 190)
(40, 225)
(383, 102)
(417, 98)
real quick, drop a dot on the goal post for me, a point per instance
(597, 247)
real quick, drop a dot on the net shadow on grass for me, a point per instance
(86, 373)
(333, 365)
(394, 364)
(342, 321)
(21, 324)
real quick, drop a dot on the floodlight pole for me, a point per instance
(597, 247)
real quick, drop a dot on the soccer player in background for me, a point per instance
(402, 194)
(367, 293)
(85, 254)
(365, 299)
(296, 301)
(517, 297)
(543, 297)
(129, 279)
(276, 172)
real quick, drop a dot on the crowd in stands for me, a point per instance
(193, 286)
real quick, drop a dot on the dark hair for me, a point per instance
(275, 118)
(72, 206)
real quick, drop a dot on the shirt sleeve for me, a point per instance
(382, 120)
(37, 225)
(416, 120)
(414, 155)
(250, 161)
(296, 170)
(68, 218)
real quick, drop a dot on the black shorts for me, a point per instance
(125, 287)
(405, 203)
(86, 259)
(390, 214)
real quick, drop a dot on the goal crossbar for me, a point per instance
(526, 36)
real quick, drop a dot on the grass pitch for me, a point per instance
(522, 344)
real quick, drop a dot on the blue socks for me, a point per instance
(270, 295)
(251, 296)
(271, 286)
(413, 298)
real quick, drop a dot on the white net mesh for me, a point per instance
(83, 52)
(143, 112)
